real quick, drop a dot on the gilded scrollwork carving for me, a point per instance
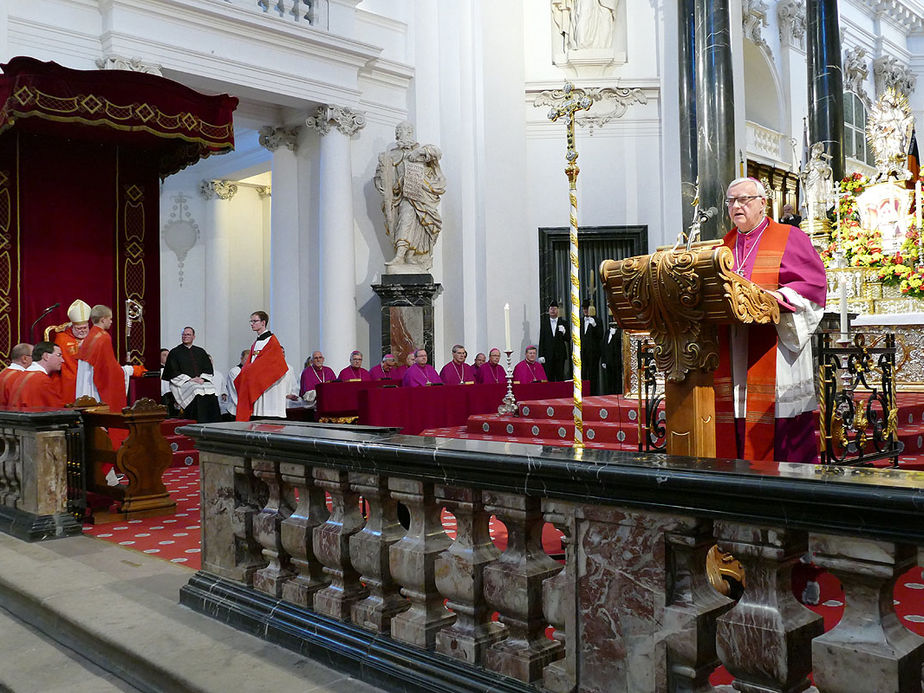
(680, 297)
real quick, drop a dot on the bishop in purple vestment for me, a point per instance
(421, 373)
(355, 370)
(314, 374)
(529, 370)
(387, 370)
(492, 372)
(457, 372)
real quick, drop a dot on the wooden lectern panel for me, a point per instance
(681, 297)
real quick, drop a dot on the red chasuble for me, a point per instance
(35, 389)
(8, 379)
(258, 375)
(760, 420)
(67, 378)
(108, 376)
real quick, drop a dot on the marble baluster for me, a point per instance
(869, 649)
(693, 607)
(267, 531)
(715, 111)
(765, 639)
(825, 80)
(558, 602)
(460, 577)
(369, 551)
(412, 560)
(513, 586)
(249, 498)
(298, 535)
(332, 546)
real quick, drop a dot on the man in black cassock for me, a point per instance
(189, 371)
(554, 339)
(591, 336)
(611, 358)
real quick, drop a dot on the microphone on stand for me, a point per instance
(39, 318)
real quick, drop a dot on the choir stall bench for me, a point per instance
(142, 457)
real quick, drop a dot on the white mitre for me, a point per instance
(78, 312)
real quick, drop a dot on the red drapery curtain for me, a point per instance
(80, 157)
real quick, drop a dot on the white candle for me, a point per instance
(843, 289)
(507, 326)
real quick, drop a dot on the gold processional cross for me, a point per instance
(574, 102)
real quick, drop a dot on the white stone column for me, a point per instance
(337, 254)
(285, 297)
(216, 329)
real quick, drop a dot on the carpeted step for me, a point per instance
(185, 458)
(168, 426)
(553, 432)
(611, 408)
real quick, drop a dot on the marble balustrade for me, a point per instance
(35, 448)
(290, 552)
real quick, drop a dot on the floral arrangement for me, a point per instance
(863, 248)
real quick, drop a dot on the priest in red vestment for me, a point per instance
(529, 370)
(765, 393)
(20, 360)
(36, 388)
(457, 372)
(492, 372)
(261, 387)
(70, 340)
(355, 371)
(421, 373)
(99, 374)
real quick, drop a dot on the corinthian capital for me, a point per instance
(346, 120)
(889, 73)
(273, 138)
(222, 189)
(791, 16)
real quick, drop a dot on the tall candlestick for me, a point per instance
(507, 327)
(917, 219)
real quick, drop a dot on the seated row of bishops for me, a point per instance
(417, 372)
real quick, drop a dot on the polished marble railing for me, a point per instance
(38, 450)
(290, 553)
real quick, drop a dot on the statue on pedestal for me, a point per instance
(410, 180)
(585, 23)
(818, 182)
(888, 128)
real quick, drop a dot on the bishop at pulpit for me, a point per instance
(732, 321)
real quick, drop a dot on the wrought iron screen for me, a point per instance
(652, 430)
(76, 474)
(858, 414)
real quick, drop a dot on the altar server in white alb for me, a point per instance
(263, 383)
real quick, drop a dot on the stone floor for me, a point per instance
(81, 614)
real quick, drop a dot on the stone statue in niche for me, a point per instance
(585, 23)
(410, 180)
(818, 181)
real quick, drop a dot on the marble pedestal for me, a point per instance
(407, 313)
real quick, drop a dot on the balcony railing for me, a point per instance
(289, 554)
(768, 143)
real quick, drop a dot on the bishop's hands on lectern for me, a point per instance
(764, 384)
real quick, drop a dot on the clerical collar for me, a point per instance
(757, 229)
(264, 335)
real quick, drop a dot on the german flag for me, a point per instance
(913, 163)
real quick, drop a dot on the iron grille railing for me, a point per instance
(652, 430)
(858, 417)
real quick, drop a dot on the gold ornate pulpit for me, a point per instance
(681, 297)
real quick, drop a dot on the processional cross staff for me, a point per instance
(571, 105)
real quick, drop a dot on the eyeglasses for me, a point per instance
(255, 321)
(741, 200)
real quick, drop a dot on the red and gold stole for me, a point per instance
(759, 427)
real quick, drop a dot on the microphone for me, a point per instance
(44, 313)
